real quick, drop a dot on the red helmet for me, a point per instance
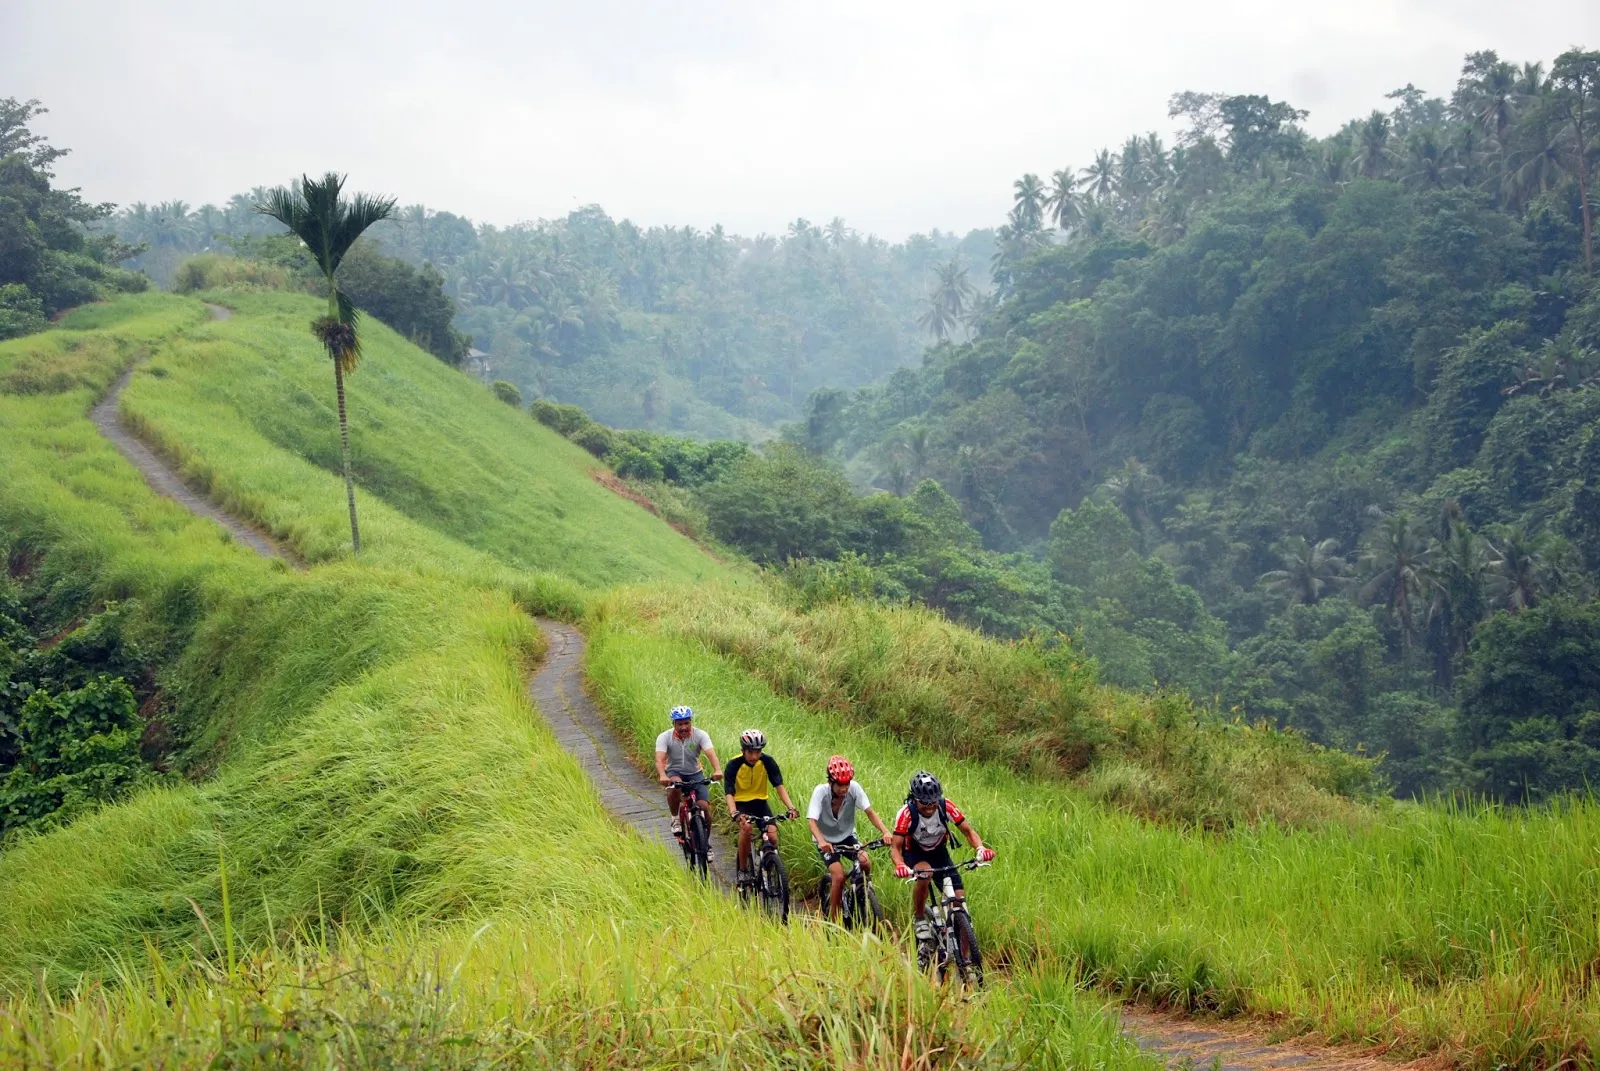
(840, 770)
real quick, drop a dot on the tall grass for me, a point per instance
(1470, 931)
(245, 409)
(1037, 709)
(385, 859)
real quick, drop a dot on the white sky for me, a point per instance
(899, 116)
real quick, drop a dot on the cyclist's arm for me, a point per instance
(661, 768)
(783, 794)
(716, 763)
(970, 833)
(872, 816)
(896, 849)
(816, 835)
(729, 772)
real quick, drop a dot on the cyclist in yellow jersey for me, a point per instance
(747, 783)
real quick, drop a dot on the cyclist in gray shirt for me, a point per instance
(679, 753)
(832, 818)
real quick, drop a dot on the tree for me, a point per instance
(1395, 563)
(948, 300)
(1028, 210)
(1100, 177)
(1576, 78)
(1062, 201)
(329, 225)
(1521, 564)
(1309, 570)
(1530, 701)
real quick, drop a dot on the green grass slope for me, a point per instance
(386, 860)
(246, 408)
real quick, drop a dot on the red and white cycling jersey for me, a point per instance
(927, 832)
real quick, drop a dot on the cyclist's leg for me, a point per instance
(835, 888)
(744, 845)
(674, 799)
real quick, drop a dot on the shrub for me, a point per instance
(507, 392)
(564, 420)
(212, 271)
(597, 439)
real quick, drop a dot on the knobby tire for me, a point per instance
(699, 844)
(969, 957)
(774, 886)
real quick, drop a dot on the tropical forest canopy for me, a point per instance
(1309, 424)
(670, 328)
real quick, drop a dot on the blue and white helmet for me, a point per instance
(682, 713)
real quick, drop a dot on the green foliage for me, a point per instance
(410, 300)
(48, 260)
(213, 271)
(1530, 701)
(506, 392)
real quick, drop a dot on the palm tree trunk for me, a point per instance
(344, 453)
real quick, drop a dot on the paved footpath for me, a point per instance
(161, 476)
(631, 796)
(637, 801)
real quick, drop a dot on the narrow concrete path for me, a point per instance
(163, 479)
(632, 797)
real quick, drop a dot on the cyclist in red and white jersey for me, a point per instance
(921, 841)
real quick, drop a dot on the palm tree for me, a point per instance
(1028, 211)
(1372, 145)
(1062, 201)
(1309, 570)
(1576, 79)
(329, 225)
(1521, 563)
(1395, 562)
(1100, 177)
(1456, 576)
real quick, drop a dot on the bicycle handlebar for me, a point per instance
(941, 871)
(762, 820)
(696, 783)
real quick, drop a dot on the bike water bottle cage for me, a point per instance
(682, 713)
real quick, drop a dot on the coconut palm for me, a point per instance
(1372, 145)
(1576, 81)
(1522, 563)
(1028, 211)
(329, 225)
(1395, 563)
(1310, 570)
(1063, 204)
(1100, 177)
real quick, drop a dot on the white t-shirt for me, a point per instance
(842, 826)
(683, 756)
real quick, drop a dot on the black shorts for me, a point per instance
(754, 808)
(849, 846)
(937, 858)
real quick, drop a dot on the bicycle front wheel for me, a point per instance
(969, 958)
(869, 913)
(774, 886)
(699, 846)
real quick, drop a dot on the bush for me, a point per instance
(597, 439)
(507, 392)
(212, 271)
(21, 311)
(564, 420)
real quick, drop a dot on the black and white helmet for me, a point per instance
(753, 738)
(925, 788)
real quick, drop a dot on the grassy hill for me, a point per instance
(380, 854)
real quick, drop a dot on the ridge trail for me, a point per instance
(637, 801)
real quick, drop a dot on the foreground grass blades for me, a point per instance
(382, 857)
(1471, 931)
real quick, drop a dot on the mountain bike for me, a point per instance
(767, 879)
(695, 840)
(954, 940)
(859, 905)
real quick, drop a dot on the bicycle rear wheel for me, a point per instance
(698, 845)
(969, 957)
(868, 912)
(774, 886)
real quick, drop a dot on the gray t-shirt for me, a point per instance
(842, 826)
(683, 756)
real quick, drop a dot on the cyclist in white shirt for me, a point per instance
(679, 754)
(832, 817)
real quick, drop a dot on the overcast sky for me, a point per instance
(898, 116)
